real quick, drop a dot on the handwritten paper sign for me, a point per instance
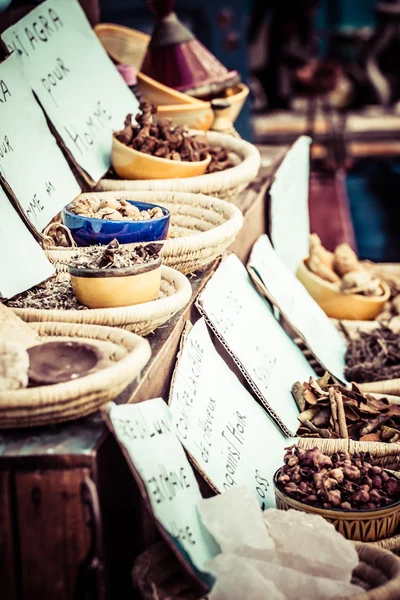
(23, 263)
(77, 84)
(243, 320)
(30, 160)
(290, 220)
(303, 313)
(146, 435)
(228, 435)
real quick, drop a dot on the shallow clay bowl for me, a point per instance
(357, 525)
(112, 288)
(131, 164)
(88, 231)
(338, 305)
(56, 362)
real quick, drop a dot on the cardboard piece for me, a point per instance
(289, 214)
(23, 263)
(244, 323)
(30, 161)
(166, 479)
(301, 311)
(228, 436)
(76, 82)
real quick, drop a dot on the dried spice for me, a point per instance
(160, 138)
(342, 268)
(373, 356)
(392, 308)
(343, 481)
(115, 256)
(333, 411)
(52, 294)
(112, 209)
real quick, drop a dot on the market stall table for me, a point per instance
(45, 534)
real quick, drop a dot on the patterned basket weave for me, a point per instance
(158, 575)
(225, 184)
(201, 229)
(44, 405)
(141, 319)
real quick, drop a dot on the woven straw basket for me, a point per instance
(141, 319)
(157, 574)
(201, 229)
(71, 400)
(225, 184)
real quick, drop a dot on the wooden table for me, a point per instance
(44, 539)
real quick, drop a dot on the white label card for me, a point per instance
(23, 263)
(243, 320)
(290, 219)
(30, 160)
(77, 84)
(302, 312)
(229, 436)
(146, 433)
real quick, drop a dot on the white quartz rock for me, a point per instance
(310, 544)
(235, 520)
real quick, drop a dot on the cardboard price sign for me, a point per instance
(23, 263)
(30, 161)
(229, 437)
(244, 323)
(302, 312)
(290, 219)
(158, 461)
(77, 84)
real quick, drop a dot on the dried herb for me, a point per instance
(115, 256)
(373, 356)
(345, 481)
(160, 138)
(333, 411)
(52, 294)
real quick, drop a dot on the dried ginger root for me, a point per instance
(320, 261)
(360, 282)
(346, 260)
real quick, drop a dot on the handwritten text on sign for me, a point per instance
(22, 261)
(30, 160)
(290, 220)
(243, 319)
(146, 433)
(76, 82)
(296, 304)
(229, 436)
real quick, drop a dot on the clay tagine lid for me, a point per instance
(176, 58)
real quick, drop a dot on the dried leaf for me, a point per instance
(371, 437)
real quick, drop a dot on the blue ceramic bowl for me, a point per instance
(88, 231)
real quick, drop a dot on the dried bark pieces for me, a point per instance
(336, 412)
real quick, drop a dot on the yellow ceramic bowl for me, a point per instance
(112, 288)
(131, 164)
(357, 525)
(338, 305)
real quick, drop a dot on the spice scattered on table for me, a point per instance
(342, 269)
(373, 356)
(343, 480)
(161, 139)
(111, 209)
(333, 411)
(115, 256)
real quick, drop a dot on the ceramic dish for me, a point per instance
(338, 305)
(114, 288)
(88, 231)
(357, 525)
(131, 164)
(55, 362)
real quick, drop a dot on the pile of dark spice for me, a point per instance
(333, 411)
(160, 138)
(373, 356)
(115, 256)
(344, 481)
